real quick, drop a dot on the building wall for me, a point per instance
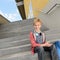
(52, 20)
(37, 6)
(3, 20)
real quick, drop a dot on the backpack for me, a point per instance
(57, 45)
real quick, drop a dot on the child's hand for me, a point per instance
(48, 44)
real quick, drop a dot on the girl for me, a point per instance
(38, 42)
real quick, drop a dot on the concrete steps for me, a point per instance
(24, 39)
(22, 56)
(9, 49)
(16, 26)
(13, 50)
(16, 38)
(12, 34)
(15, 43)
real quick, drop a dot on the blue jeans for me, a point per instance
(41, 54)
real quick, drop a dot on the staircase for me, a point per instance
(14, 40)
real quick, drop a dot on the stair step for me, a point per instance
(48, 37)
(14, 43)
(12, 34)
(24, 56)
(23, 28)
(53, 31)
(20, 56)
(53, 36)
(16, 28)
(16, 24)
(13, 50)
(15, 38)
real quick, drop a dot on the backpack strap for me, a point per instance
(44, 37)
(34, 34)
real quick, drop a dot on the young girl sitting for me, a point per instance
(38, 42)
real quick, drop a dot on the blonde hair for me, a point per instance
(37, 20)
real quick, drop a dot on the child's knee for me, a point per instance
(40, 49)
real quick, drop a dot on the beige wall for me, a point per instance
(3, 20)
(37, 6)
(26, 5)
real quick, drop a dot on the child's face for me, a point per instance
(37, 26)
